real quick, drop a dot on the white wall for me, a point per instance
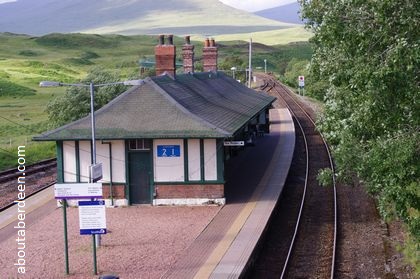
(168, 169)
(118, 161)
(194, 172)
(102, 156)
(85, 160)
(210, 159)
(69, 161)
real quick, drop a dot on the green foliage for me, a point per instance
(76, 61)
(231, 61)
(368, 55)
(8, 88)
(325, 177)
(411, 250)
(28, 52)
(294, 69)
(89, 55)
(75, 103)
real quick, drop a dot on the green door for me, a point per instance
(139, 175)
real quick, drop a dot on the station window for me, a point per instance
(140, 144)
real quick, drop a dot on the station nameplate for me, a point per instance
(234, 143)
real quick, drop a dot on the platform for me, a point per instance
(254, 181)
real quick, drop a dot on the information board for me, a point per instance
(77, 190)
(92, 218)
(168, 151)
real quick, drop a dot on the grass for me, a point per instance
(34, 152)
(25, 61)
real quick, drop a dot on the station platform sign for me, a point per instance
(92, 219)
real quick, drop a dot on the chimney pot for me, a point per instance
(170, 39)
(209, 55)
(212, 42)
(188, 56)
(161, 39)
(207, 43)
(165, 56)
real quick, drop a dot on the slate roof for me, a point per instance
(200, 105)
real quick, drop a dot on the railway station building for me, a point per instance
(165, 141)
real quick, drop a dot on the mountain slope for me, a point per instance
(286, 13)
(129, 17)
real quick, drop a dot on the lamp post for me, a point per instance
(233, 69)
(91, 86)
(250, 63)
(265, 65)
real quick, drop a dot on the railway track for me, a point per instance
(301, 239)
(38, 177)
(13, 174)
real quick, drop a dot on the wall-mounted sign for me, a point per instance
(95, 172)
(78, 190)
(168, 151)
(92, 218)
(234, 143)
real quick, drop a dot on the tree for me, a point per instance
(75, 103)
(368, 53)
(294, 69)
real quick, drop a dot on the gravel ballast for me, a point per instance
(142, 242)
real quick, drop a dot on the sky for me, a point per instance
(255, 5)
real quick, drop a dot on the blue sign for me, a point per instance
(168, 151)
(92, 217)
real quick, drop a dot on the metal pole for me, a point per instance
(265, 65)
(250, 63)
(66, 243)
(95, 267)
(92, 118)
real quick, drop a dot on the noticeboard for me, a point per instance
(92, 218)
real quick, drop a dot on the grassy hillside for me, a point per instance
(273, 37)
(26, 60)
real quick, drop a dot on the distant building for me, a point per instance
(162, 142)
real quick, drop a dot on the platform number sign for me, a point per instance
(168, 151)
(301, 80)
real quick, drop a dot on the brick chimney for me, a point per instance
(188, 56)
(165, 56)
(209, 55)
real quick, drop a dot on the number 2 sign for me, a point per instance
(168, 151)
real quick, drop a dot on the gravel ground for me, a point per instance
(143, 242)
